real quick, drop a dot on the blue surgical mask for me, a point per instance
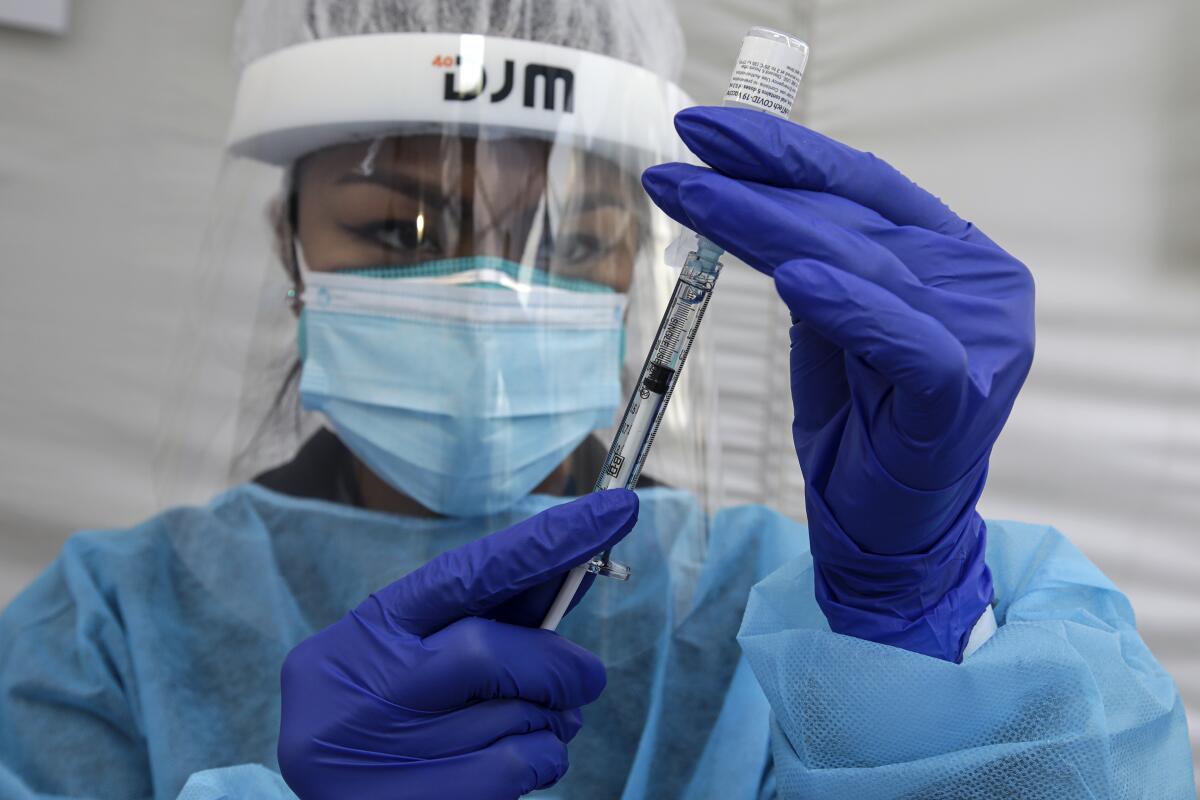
(462, 390)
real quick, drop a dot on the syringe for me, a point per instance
(766, 77)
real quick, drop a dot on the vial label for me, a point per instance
(766, 76)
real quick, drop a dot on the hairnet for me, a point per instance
(642, 32)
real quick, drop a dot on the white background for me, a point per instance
(1067, 131)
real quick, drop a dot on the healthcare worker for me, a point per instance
(432, 273)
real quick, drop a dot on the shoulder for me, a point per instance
(774, 537)
(96, 567)
(733, 548)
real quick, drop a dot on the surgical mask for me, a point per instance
(462, 388)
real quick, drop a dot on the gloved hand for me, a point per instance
(415, 694)
(912, 334)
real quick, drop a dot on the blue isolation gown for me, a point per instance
(145, 663)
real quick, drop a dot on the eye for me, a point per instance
(581, 248)
(400, 235)
(586, 238)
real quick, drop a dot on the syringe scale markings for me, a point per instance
(656, 383)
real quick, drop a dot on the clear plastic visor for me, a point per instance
(503, 275)
(458, 295)
(554, 214)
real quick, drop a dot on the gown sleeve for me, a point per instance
(68, 726)
(1064, 701)
(70, 722)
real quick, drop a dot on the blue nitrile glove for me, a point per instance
(415, 694)
(912, 335)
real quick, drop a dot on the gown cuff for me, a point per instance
(984, 628)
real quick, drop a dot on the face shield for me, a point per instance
(436, 246)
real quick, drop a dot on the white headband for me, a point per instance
(356, 88)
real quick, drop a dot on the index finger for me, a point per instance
(471, 579)
(748, 144)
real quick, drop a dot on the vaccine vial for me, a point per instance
(768, 72)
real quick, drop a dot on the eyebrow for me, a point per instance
(396, 182)
(420, 190)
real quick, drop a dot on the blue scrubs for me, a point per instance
(146, 657)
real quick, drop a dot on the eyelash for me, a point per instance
(592, 244)
(396, 234)
(399, 236)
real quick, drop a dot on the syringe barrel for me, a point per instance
(768, 72)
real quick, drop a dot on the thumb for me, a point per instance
(473, 578)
